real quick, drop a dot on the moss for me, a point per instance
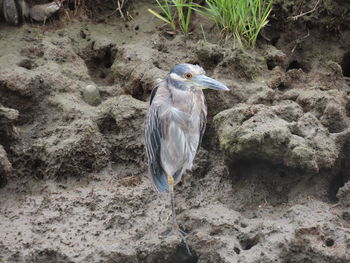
(303, 157)
(263, 144)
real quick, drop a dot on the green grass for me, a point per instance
(244, 19)
(175, 13)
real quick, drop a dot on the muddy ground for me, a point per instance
(270, 183)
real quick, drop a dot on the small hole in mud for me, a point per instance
(108, 125)
(329, 242)
(347, 107)
(3, 181)
(346, 216)
(99, 62)
(168, 35)
(248, 242)
(103, 75)
(71, 6)
(345, 64)
(178, 255)
(275, 40)
(139, 92)
(108, 58)
(334, 185)
(237, 250)
(244, 225)
(37, 164)
(294, 65)
(26, 63)
(282, 87)
(270, 64)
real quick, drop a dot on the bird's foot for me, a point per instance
(175, 230)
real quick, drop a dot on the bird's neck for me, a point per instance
(184, 98)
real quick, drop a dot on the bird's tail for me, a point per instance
(160, 179)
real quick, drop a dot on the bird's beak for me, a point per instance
(209, 83)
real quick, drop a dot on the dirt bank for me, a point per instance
(270, 183)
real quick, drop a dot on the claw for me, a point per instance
(175, 230)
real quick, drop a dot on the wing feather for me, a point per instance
(203, 124)
(153, 137)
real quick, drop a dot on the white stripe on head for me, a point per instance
(196, 69)
(174, 76)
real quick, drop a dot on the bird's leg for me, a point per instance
(175, 229)
(175, 226)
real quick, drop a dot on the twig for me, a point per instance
(205, 39)
(294, 18)
(299, 40)
(120, 6)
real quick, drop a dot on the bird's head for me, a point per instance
(192, 77)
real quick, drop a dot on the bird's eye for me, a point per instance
(188, 75)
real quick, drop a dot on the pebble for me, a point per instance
(91, 95)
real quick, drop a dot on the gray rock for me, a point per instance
(275, 57)
(252, 132)
(121, 122)
(8, 131)
(241, 65)
(288, 110)
(41, 12)
(5, 166)
(23, 8)
(8, 114)
(281, 134)
(344, 195)
(209, 54)
(334, 117)
(72, 150)
(91, 95)
(330, 106)
(10, 12)
(262, 95)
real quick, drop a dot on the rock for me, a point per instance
(288, 110)
(252, 132)
(8, 114)
(277, 79)
(300, 155)
(27, 63)
(344, 195)
(8, 131)
(121, 122)
(71, 150)
(10, 12)
(274, 57)
(209, 55)
(327, 105)
(241, 65)
(23, 9)
(280, 134)
(47, 255)
(262, 95)
(136, 73)
(40, 13)
(5, 166)
(91, 95)
(290, 95)
(335, 69)
(335, 118)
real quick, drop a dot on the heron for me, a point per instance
(174, 128)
